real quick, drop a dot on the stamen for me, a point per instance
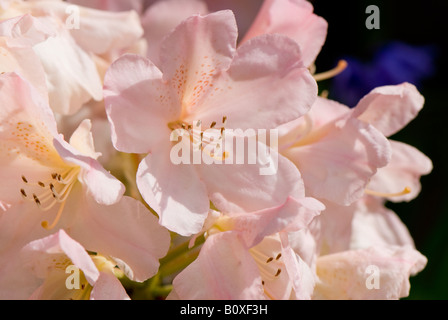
(36, 199)
(269, 259)
(278, 256)
(41, 184)
(342, 64)
(22, 191)
(213, 124)
(24, 179)
(56, 220)
(278, 272)
(388, 195)
(224, 120)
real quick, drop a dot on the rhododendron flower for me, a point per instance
(329, 143)
(46, 264)
(292, 18)
(51, 184)
(295, 19)
(346, 275)
(245, 256)
(388, 109)
(67, 53)
(203, 80)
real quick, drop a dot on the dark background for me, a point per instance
(417, 23)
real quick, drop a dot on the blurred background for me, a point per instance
(410, 45)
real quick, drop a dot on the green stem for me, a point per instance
(180, 257)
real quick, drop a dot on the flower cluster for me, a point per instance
(158, 153)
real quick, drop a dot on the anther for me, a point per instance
(22, 191)
(24, 179)
(198, 123)
(36, 199)
(269, 259)
(278, 272)
(388, 195)
(278, 256)
(224, 119)
(53, 191)
(342, 64)
(41, 184)
(213, 124)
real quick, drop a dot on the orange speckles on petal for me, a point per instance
(25, 140)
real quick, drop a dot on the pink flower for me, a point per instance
(292, 18)
(50, 184)
(336, 153)
(59, 268)
(204, 81)
(295, 19)
(247, 256)
(69, 54)
(372, 273)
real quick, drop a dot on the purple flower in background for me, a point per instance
(393, 63)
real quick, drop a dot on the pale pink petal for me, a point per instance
(72, 77)
(255, 190)
(322, 112)
(390, 108)
(295, 19)
(108, 287)
(126, 231)
(196, 52)
(347, 148)
(300, 273)
(404, 170)
(293, 215)
(224, 270)
(336, 227)
(61, 243)
(304, 243)
(162, 17)
(130, 83)
(99, 183)
(82, 139)
(25, 30)
(27, 127)
(96, 31)
(374, 224)
(349, 274)
(18, 36)
(175, 192)
(200, 44)
(265, 72)
(101, 32)
(17, 228)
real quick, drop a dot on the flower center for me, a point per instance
(270, 266)
(54, 190)
(209, 141)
